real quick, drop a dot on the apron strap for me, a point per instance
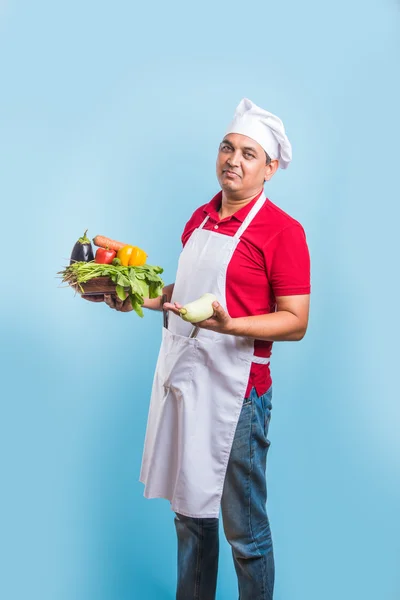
(204, 222)
(247, 220)
(258, 205)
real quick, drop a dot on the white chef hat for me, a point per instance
(263, 127)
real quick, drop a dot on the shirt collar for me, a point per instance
(214, 205)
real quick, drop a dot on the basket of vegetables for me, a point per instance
(116, 268)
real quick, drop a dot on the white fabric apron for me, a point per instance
(198, 388)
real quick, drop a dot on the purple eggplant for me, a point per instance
(82, 251)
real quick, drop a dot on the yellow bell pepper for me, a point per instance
(124, 255)
(132, 256)
(138, 257)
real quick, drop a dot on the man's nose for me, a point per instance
(234, 159)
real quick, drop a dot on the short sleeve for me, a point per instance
(187, 232)
(288, 262)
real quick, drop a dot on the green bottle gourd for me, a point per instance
(199, 309)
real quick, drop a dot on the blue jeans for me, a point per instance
(245, 521)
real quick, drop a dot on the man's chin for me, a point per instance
(230, 186)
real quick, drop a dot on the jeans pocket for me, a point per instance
(267, 419)
(249, 401)
(267, 408)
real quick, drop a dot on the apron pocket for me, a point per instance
(177, 359)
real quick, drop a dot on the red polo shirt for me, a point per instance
(272, 259)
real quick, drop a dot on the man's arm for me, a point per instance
(155, 303)
(288, 324)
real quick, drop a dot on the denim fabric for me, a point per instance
(245, 520)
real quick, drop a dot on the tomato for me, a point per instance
(104, 256)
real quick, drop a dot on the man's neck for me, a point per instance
(230, 204)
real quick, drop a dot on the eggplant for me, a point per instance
(82, 251)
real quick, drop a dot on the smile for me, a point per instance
(230, 173)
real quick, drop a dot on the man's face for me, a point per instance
(241, 165)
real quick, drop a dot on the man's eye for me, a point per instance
(225, 147)
(249, 155)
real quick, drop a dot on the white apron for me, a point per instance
(198, 388)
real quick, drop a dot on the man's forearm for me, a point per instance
(156, 303)
(281, 326)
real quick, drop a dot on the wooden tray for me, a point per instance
(98, 285)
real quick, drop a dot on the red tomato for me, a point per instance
(104, 256)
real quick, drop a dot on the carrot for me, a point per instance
(104, 242)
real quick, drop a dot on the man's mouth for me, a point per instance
(230, 173)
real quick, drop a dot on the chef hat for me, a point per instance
(263, 127)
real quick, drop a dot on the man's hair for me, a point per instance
(268, 158)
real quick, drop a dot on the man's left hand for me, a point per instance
(220, 322)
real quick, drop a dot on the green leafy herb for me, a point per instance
(136, 282)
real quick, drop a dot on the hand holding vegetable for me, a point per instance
(196, 311)
(119, 275)
(199, 310)
(137, 283)
(111, 300)
(218, 319)
(93, 297)
(121, 305)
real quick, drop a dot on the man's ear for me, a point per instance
(271, 169)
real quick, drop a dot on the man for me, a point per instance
(206, 440)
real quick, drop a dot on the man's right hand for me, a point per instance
(111, 300)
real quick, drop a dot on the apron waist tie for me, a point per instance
(260, 360)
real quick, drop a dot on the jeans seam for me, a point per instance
(198, 562)
(250, 501)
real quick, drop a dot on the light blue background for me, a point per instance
(110, 118)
